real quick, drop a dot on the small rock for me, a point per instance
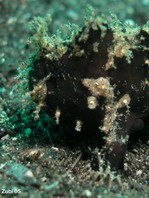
(87, 193)
(139, 172)
(32, 154)
(22, 174)
(14, 139)
(6, 137)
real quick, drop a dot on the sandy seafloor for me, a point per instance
(34, 169)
